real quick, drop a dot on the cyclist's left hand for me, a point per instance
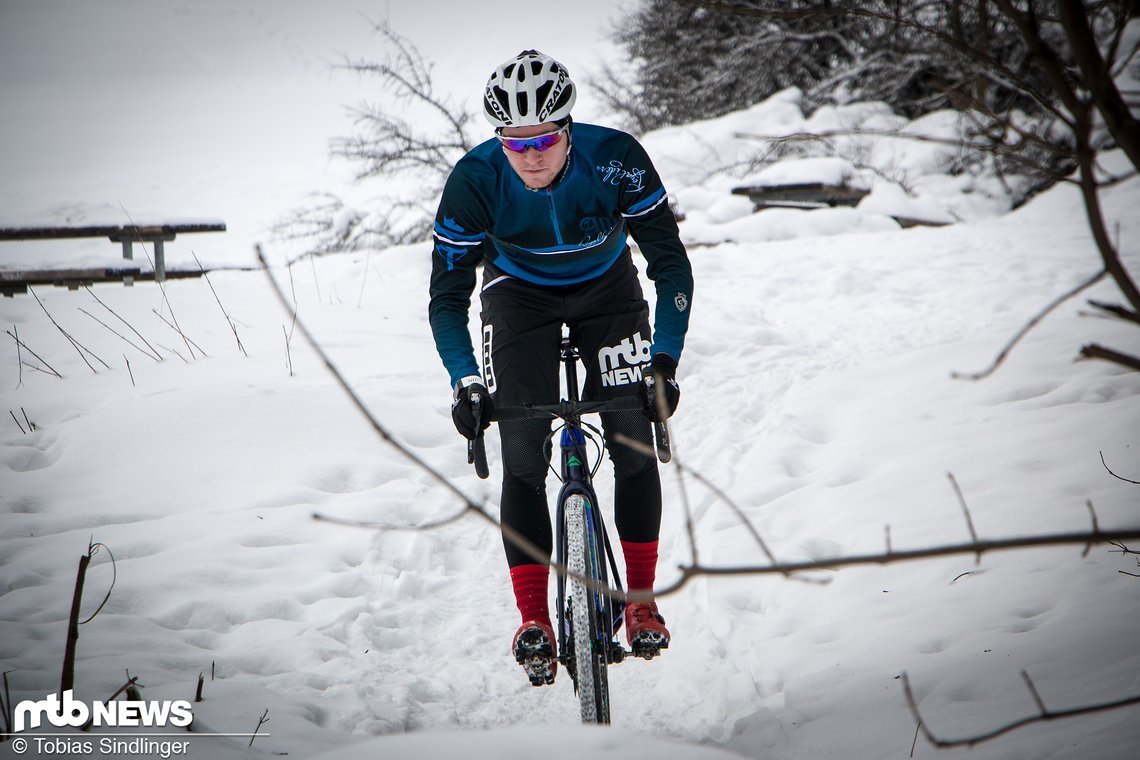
(664, 371)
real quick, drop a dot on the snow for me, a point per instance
(817, 393)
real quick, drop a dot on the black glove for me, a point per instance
(663, 370)
(463, 408)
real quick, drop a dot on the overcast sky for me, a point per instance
(119, 100)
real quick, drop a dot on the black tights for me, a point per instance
(637, 485)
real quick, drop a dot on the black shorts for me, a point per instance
(608, 321)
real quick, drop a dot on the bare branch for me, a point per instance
(1113, 474)
(1043, 715)
(1036, 320)
(1116, 310)
(1095, 351)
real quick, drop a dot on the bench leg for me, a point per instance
(129, 255)
(159, 261)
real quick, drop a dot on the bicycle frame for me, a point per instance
(577, 478)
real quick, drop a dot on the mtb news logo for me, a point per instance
(71, 712)
(633, 352)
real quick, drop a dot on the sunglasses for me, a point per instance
(539, 142)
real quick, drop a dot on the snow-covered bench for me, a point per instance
(126, 234)
(801, 195)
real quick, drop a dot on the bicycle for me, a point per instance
(589, 616)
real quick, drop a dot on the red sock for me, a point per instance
(640, 564)
(531, 583)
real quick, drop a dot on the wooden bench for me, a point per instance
(801, 195)
(126, 234)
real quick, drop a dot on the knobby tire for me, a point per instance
(583, 559)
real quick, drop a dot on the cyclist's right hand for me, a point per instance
(471, 396)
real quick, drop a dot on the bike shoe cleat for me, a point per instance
(645, 630)
(534, 649)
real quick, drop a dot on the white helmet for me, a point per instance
(528, 90)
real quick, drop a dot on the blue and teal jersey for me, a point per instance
(568, 233)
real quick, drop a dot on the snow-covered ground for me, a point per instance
(817, 393)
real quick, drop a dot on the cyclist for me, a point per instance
(545, 207)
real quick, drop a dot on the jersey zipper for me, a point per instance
(554, 216)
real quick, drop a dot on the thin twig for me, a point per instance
(288, 351)
(260, 722)
(171, 350)
(1113, 474)
(14, 419)
(31, 425)
(364, 279)
(1095, 525)
(19, 358)
(91, 551)
(132, 374)
(1033, 691)
(176, 328)
(79, 348)
(1001, 357)
(225, 314)
(19, 342)
(125, 322)
(121, 336)
(965, 511)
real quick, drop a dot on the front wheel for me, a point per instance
(590, 639)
